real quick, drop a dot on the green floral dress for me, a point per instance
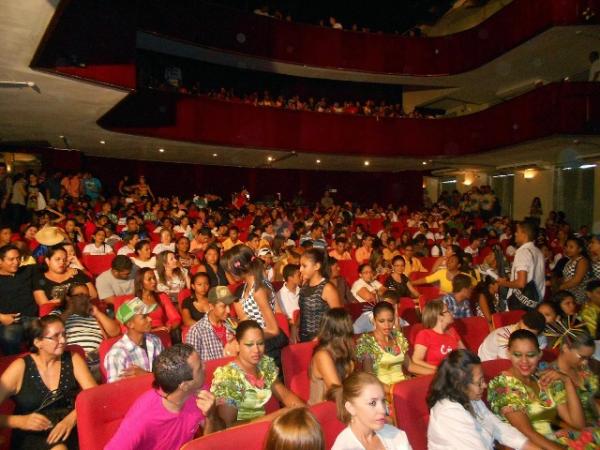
(508, 394)
(387, 363)
(586, 391)
(232, 386)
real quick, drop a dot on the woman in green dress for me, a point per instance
(576, 349)
(532, 401)
(244, 386)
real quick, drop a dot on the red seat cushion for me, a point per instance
(472, 330)
(326, 415)
(249, 437)
(96, 264)
(411, 410)
(101, 409)
(503, 319)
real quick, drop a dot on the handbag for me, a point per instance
(527, 298)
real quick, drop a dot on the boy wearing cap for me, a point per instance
(210, 336)
(135, 352)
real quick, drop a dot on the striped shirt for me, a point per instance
(85, 332)
(125, 353)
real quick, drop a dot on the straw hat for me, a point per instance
(49, 236)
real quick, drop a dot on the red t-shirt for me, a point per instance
(438, 345)
(221, 333)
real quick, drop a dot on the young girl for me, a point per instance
(98, 247)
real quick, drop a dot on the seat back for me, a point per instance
(101, 409)
(503, 319)
(411, 332)
(96, 264)
(473, 331)
(349, 270)
(326, 415)
(299, 384)
(183, 294)
(407, 310)
(296, 358)
(250, 436)
(282, 322)
(104, 348)
(428, 262)
(411, 411)
(355, 310)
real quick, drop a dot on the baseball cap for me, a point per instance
(132, 307)
(220, 294)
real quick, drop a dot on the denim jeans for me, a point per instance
(12, 336)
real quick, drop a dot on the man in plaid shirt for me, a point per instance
(135, 352)
(211, 335)
(458, 301)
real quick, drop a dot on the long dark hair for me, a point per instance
(316, 255)
(336, 336)
(452, 379)
(241, 260)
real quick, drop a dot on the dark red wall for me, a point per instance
(187, 179)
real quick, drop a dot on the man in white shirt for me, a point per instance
(287, 296)
(594, 66)
(495, 345)
(528, 266)
(473, 247)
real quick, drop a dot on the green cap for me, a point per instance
(220, 294)
(132, 307)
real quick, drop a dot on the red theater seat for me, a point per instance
(282, 322)
(503, 319)
(295, 360)
(96, 264)
(355, 310)
(411, 411)
(101, 409)
(326, 415)
(349, 270)
(472, 330)
(249, 437)
(407, 310)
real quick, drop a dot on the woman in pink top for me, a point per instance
(436, 340)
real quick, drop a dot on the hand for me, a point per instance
(61, 431)
(166, 329)
(548, 377)
(205, 401)
(133, 371)
(9, 319)
(93, 310)
(34, 422)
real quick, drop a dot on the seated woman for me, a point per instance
(384, 351)
(367, 289)
(196, 305)
(361, 404)
(72, 260)
(171, 277)
(98, 246)
(43, 386)
(182, 250)
(52, 285)
(86, 325)
(166, 243)
(244, 386)
(443, 276)
(458, 418)
(576, 349)
(531, 400)
(211, 265)
(576, 272)
(567, 306)
(487, 299)
(333, 357)
(398, 281)
(435, 340)
(143, 257)
(165, 317)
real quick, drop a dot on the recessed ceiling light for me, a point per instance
(162, 150)
(424, 163)
(215, 155)
(270, 158)
(318, 161)
(61, 136)
(366, 163)
(103, 142)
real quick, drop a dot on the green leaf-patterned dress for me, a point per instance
(387, 363)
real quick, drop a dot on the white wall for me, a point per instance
(596, 200)
(541, 186)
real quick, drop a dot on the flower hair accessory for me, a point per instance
(564, 332)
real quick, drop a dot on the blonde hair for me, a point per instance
(432, 312)
(350, 389)
(297, 429)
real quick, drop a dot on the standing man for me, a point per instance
(527, 284)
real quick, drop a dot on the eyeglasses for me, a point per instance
(56, 337)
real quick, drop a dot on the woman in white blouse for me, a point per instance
(458, 418)
(367, 288)
(361, 404)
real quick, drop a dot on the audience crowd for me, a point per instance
(98, 288)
